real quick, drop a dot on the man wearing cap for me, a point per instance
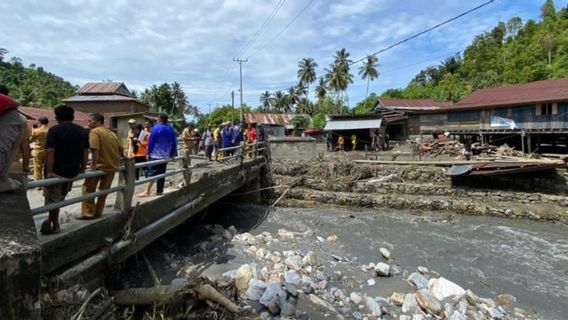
(39, 138)
(189, 139)
(13, 138)
(132, 138)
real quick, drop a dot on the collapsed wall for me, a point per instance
(537, 196)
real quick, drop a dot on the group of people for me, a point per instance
(379, 141)
(225, 135)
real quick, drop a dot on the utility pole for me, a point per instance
(232, 104)
(240, 62)
(209, 105)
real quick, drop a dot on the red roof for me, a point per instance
(269, 118)
(412, 104)
(98, 88)
(33, 113)
(519, 94)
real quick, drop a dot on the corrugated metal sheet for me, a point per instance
(553, 90)
(98, 98)
(104, 88)
(33, 113)
(458, 170)
(334, 125)
(269, 118)
(412, 104)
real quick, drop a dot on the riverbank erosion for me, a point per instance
(536, 196)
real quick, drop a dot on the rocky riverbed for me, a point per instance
(365, 264)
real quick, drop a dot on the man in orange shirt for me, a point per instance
(106, 152)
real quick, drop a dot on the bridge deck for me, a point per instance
(79, 238)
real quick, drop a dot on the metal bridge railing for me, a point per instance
(126, 177)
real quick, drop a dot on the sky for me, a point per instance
(148, 42)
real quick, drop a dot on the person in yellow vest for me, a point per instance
(39, 139)
(106, 152)
(353, 142)
(341, 142)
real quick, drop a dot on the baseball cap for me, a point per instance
(131, 121)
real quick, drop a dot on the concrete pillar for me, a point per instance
(529, 143)
(20, 259)
(126, 178)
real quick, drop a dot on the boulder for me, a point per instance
(273, 307)
(456, 315)
(417, 280)
(291, 289)
(397, 298)
(382, 269)
(506, 301)
(442, 289)
(284, 234)
(311, 259)
(385, 253)
(293, 262)
(355, 298)
(243, 277)
(292, 277)
(255, 290)
(371, 282)
(423, 270)
(429, 303)
(373, 306)
(409, 304)
(272, 291)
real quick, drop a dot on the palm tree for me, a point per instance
(307, 73)
(338, 79)
(292, 98)
(278, 101)
(321, 90)
(369, 72)
(266, 100)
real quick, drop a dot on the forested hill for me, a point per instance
(513, 52)
(32, 85)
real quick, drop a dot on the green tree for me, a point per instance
(338, 77)
(366, 105)
(279, 102)
(266, 101)
(307, 73)
(368, 71)
(547, 10)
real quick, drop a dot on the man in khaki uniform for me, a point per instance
(39, 139)
(106, 152)
(189, 139)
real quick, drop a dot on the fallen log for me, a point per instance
(207, 292)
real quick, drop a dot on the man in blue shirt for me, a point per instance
(227, 137)
(162, 144)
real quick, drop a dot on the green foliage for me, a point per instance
(300, 121)
(365, 105)
(510, 53)
(222, 114)
(318, 120)
(32, 85)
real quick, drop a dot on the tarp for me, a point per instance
(502, 123)
(333, 125)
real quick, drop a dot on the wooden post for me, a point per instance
(529, 143)
(186, 163)
(255, 150)
(126, 178)
(523, 141)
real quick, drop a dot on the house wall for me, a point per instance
(120, 124)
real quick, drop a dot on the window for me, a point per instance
(546, 109)
(464, 116)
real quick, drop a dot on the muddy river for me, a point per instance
(488, 255)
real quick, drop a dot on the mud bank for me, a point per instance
(537, 196)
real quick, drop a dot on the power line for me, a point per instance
(262, 27)
(425, 31)
(283, 29)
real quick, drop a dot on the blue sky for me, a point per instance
(148, 42)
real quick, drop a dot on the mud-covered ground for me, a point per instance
(490, 256)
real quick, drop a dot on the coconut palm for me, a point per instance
(266, 100)
(292, 98)
(307, 73)
(368, 71)
(278, 101)
(338, 79)
(321, 90)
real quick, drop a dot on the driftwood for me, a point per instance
(163, 294)
(83, 307)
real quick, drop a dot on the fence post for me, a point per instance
(186, 164)
(255, 149)
(126, 178)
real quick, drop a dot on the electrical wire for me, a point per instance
(425, 31)
(262, 27)
(283, 29)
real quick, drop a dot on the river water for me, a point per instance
(488, 255)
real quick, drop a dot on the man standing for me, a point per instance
(105, 156)
(189, 139)
(67, 152)
(14, 136)
(161, 145)
(39, 138)
(227, 136)
(217, 140)
(132, 138)
(208, 142)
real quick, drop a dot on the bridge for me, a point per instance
(85, 249)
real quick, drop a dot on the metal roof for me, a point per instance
(354, 124)
(104, 88)
(412, 104)
(114, 97)
(33, 113)
(553, 90)
(269, 118)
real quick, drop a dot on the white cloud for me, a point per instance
(147, 42)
